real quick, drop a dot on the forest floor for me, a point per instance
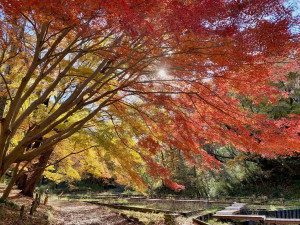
(58, 212)
(10, 215)
(75, 212)
(67, 212)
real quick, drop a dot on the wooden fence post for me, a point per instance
(39, 199)
(34, 204)
(22, 211)
(36, 201)
(32, 208)
(1, 210)
(46, 199)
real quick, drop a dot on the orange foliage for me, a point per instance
(213, 53)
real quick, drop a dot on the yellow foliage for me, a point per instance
(237, 160)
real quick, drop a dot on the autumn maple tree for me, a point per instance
(177, 68)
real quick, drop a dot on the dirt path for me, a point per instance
(79, 213)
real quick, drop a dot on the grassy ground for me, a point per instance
(179, 207)
(146, 218)
(158, 218)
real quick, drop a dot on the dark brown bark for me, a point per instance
(29, 181)
(21, 182)
(2, 105)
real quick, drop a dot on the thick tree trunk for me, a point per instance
(11, 183)
(29, 181)
(21, 182)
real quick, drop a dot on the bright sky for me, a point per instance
(296, 6)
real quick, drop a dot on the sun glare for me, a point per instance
(162, 73)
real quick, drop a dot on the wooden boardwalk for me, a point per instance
(282, 221)
(235, 208)
(232, 211)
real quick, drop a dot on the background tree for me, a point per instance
(241, 173)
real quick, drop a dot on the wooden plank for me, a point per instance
(235, 208)
(200, 222)
(227, 212)
(220, 202)
(282, 221)
(240, 217)
(188, 214)
(133, 208)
